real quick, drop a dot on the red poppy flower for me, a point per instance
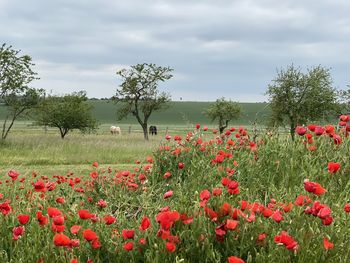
(89, 235)
(225, 209)
(327, 245)
(128, 246)
(145, 223)
(60, 200)
(102, 203)
(58, 220)
(167, 219)
(52, 212)
(23, 219)
(314, 188)
(84, 214)
(286, 240)
(329, 129)
(337, 139)
(17, 232)
(211, 213)
(39, 186)
(109, 219)
(261, 237)
(287, 207)
(61, 240)
(204, 197)
(167, 175)
(267, 212)
(311, 127)
(231, 224)
(327, 221)
(205, 194)
(344, 118)
(95, 164)
(186, 219)
(300, 130)
(94, 174)
(319, 130)
(170, 246)
(234, 259)
(41, 218)
(277, 216)
(324, 212)
(5, 207)
(57, 228)
(96, 244)
(142, 241)
(333, 167)
(128, 233)
(168, 194)
(75, 229)
(149, 159)
(13, 174)
(74, 243)
(217, 191)
(347, 208)
(302, 200)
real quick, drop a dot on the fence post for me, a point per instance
(129, 129)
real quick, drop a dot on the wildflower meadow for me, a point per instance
(199, 197)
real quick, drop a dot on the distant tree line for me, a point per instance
(295, 97)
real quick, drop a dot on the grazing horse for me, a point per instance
(115, 130)
(153, 130)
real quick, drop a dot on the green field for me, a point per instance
(182, 113)
(178, 113)
(228, 192)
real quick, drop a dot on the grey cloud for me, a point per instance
(216, 47)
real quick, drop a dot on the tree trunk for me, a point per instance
(145, 131)
(292, 131)
(63, 132)
(222, 126)
(5, 131)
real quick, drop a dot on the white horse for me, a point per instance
(115, 130)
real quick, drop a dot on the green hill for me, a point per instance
(178, 113)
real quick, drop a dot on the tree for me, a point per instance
(224, 111)
(297, 98)
(67, 113)
(15, 75)
(139, 95)
(344, 100)
(19, 104)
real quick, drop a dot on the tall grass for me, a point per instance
(269, 174)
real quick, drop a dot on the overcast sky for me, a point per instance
(216, 47)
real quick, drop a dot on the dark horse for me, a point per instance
(153, 130)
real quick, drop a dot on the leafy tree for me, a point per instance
(139, 95)
(15, 75)
(297, 98)
(344, 100)
(223, 111)
(67, 113)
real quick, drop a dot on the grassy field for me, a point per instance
(47, 152)
(178, 113)
(200, 198)
(181, 113)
